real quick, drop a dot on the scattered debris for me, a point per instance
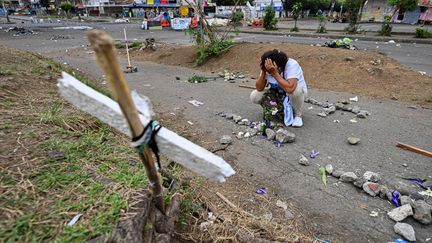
(354, 99)
(226, 139)
(197, 79)
(303, 160)
(18, 31)
(359, 182)
(394, 198)
(374, 214)
(422, 73)
(400, 213)
(405, 230)
(60, 37)
(353, 140)
(353, 120)
(74, 219)
(190, 123)
(74, 28)
(281, 204)
(196, 103)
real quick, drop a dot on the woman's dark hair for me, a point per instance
(279, 57)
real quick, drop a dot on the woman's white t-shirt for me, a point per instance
(292, 70)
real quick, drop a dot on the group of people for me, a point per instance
(280, 89)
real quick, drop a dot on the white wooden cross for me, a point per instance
(175, 147)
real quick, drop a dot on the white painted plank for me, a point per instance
(175, 147)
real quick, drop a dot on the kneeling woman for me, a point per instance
(285, 97)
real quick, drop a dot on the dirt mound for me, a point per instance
(359, 72)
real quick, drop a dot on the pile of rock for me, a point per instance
(343, 105)
(408, 206)
(231, 76)
(280, 135)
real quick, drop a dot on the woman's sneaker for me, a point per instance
(298, 122)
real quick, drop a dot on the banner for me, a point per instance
(180, 23)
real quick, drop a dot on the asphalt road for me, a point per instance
(339, 211)
(415, 56)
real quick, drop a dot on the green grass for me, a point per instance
(63, 188)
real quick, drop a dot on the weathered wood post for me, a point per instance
(105, 55)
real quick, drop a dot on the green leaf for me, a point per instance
(322, 172)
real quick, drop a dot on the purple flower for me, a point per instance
(314, 154)
(273, 103)
(261, 190)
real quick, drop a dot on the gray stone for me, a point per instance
(288, 214)
(371, 188)
(371, 176)
(383, 192)
(330, 110)
(406, 189)
(243, 122)
(422, 212)
(270, 134)
(229, 116)
(56, 155)
(405, 230)
(361, 114)
(241, 76)
(47, 66)
(400, 213)
(349, 59)
(303, 160)
(339, 106)
(359, 182)
(347, 108)
(355, 109)
(345, 102)
(251, 131)
(348, 177)
(237, 118)
(322, 114)
(428, 183)
(405, 200)
(353, 140)
(284, 136)
(329, 169)
(261, 126)
(389, 196)
(313, 101)
(220, 74)
(338, 173)
(226, 139)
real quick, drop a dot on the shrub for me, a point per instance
(422, 33)
(322, 24)
(270, 20)
(211, 49)
(386, 27)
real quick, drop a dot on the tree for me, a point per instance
(66, 6)
(296, 10)
(352, 8)
(270, 20)
(403, 5)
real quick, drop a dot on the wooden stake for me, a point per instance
(103, 45)
(414, 149)
(247, 86)
(127, 48)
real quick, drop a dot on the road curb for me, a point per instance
(335, 36)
